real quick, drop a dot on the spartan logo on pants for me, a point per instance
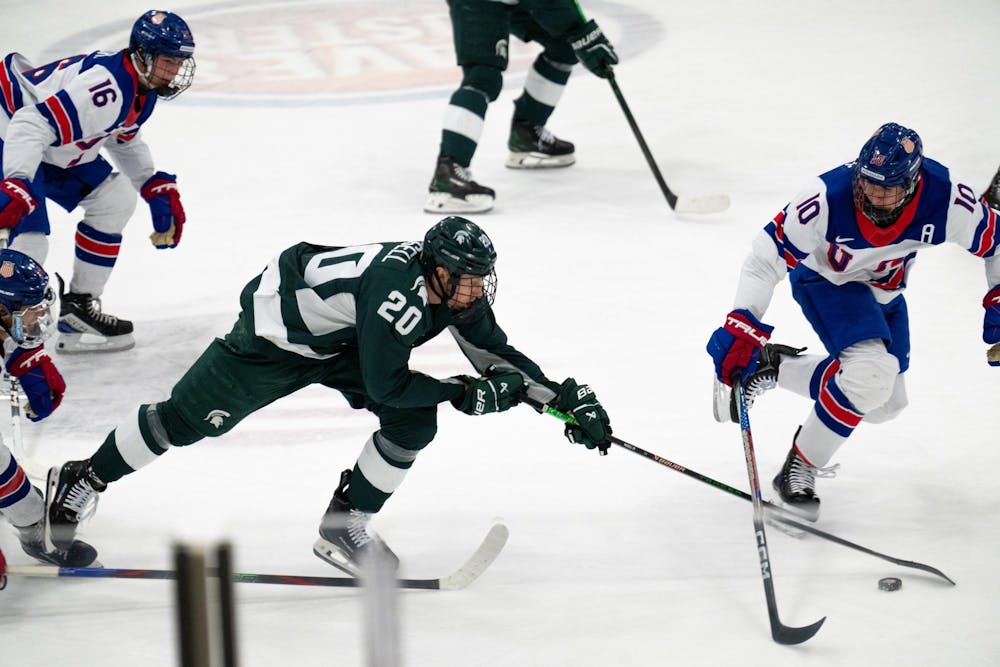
(216, 417)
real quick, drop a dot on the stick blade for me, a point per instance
(701, 205)
(788, 636)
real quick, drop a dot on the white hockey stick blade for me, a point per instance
(701, 205)
(483, 557)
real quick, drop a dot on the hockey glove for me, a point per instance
(593, 48)
(40, 380)
(494, 393)
(991, 325)
(592, 426)
(160, 191)
(15, 202)
(3, 572)
(736, 345)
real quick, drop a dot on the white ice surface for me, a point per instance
(612, 560)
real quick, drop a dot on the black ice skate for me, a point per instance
(79, 554)
(452, 190)
(84, 328)
(70, 497)
(992, 194)
(344, 538)
(764, 378)
(796, 484)
(534, 147)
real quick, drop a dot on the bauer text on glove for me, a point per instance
(494, 393)
(592, 427)
(593, 49)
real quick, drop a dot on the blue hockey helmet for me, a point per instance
(890, 159)
(462, 248)
(159, 33)
(27, 297)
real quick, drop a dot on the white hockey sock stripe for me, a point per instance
(377, 470)
(132, 446)
(544, 90)
(463, 122)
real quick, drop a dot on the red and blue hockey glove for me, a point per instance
(736, 345)
(3, 571)
(495, 392)
(40, 380)
(15, 202)
(592, 427)
(160, 191)
(593, 49)
(991, 325)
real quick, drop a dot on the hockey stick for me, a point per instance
(705, 204)
(775, 512)
(487, 552)
(781, 633)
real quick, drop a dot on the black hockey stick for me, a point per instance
(706, 204)
(781, 633)
(775, 512)
(476, 564)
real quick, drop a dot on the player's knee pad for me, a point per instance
(487, 80)
(891, 408)
(867, 375)
(167, 424)
(411, 429)
(110, 206)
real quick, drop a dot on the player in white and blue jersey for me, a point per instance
(847, 244)
(56, 123)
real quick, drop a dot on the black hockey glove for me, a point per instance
(593, 426)
(593, 48)
(495, 392)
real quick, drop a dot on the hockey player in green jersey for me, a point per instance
(482, 30)
(346, 318)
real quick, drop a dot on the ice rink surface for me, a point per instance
(319, 121)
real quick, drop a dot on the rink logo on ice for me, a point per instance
(343, 51)
(217, 417)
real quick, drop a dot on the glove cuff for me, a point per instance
(741, 323)
(992, 298)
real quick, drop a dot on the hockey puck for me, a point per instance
(889, 584)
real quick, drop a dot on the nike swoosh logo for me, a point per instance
(843, 239)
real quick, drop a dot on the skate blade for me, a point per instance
(83, 343)
(534, 160)
(442, 202)
(720, 402)
(51, 484)
(335, 557)
(785, 528)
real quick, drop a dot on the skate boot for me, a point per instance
(534, 147)
(796, 483)
(70, 497)
(84, 328)
(452, 190)
(764, 378)
(992, 194)
(344, 537)
(79, 554)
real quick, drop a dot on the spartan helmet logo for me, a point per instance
(216, 417)
(462, 237)
(501, 48)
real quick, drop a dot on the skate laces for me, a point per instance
(94, 309)
(544, 136)
(81, 498)
(801, 476)
(357, 527)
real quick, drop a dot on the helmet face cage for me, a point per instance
(157, 34)
(463, 249)
(891, 161)
(32, 325)
(25, 294)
